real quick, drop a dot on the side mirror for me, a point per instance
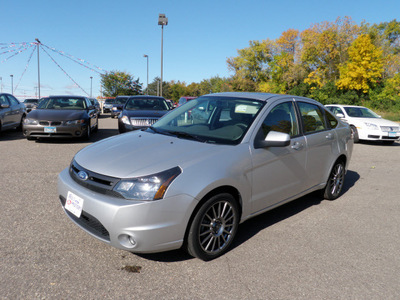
(273, 139)
(339, 115)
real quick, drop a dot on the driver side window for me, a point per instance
(281, 118)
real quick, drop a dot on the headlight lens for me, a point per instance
(75, 122)
(152, 187)
(28, 121)
(372, 126)
(114, 108)
(125, 120)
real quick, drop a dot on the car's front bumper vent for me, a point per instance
(89, 223)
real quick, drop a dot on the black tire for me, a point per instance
(335, 181)
(19, 128)
(88, 133)
(354, 132)
(213, 228)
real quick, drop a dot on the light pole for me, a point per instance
(12, 84)
(162, 20)
(91, 80)
(147, 86)
(38, 65)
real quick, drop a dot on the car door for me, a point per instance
(92, 113)
(6, 112)
(320, 142)
(17, 109)
(278, 173)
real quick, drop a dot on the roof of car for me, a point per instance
(258, 96)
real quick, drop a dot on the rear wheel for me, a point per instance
(214, 227)
(335, 182)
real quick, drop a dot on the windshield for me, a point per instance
(63, 103)
(109, 101)
(121, 100)
(146, 104)
(220, 120)
(360, 112)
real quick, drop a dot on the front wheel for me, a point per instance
(214, 227)
(335, 181)
(354, 132)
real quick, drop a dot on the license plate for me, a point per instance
(50, 129)
(392, 134)
(74, 204)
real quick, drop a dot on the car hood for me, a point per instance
(142, 153)
(56, 114)
(145, 113)
(379, 122)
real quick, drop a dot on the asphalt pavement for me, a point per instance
(308, 249)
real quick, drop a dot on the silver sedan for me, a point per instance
(191, 179)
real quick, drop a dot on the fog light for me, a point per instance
(132, 240)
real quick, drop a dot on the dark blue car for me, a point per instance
(118, 105)
(141, 112)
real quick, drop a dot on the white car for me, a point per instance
(365, 124)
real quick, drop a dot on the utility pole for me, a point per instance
(38, 64)
(162, 20)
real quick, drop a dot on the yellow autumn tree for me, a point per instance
(364, 66)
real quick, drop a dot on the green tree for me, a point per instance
(117, 83)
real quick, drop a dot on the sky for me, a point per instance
(114, 36)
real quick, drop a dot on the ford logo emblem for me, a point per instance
(83, 175)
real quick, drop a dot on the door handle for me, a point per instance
(297, 146)
(329, 136)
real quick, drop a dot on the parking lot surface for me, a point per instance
(308, 249)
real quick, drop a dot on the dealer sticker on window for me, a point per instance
(74, 204)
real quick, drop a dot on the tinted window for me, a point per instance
(331, 120)
(13, 101)
(3, 100)
(312, 117)
(63, 103)
(281, 118)
(146, 104)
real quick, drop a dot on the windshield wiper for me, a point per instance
(181, 134)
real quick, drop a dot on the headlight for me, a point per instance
(150, 187)
(75, 122)
(372, 126)
(114, 108)
(28, 121)
(125, 120)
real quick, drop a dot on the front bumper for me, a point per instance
(39, 131)
(378, 135)
(155, 226)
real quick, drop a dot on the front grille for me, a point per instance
(88, 222)
(95, 182)
(390, 128)
(50, 123)
(143, 122)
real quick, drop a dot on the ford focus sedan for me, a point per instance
(61, 117)
(365, 124)
(141, 112)
(201, 170)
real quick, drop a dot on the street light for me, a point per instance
(12, 84)
(91, 80)
(38, 64)
(162, 20)
(147, 86)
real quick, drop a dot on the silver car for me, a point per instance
(201, 170)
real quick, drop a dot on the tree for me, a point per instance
(117, 83)
(364, 67)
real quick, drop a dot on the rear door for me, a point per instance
(17, 109)
(321, 141)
